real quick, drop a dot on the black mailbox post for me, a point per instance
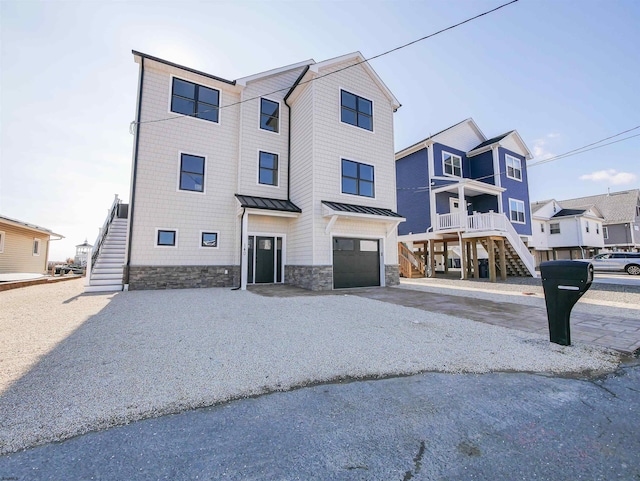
(564, 282)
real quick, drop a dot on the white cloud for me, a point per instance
(611, 176)
(540, 150)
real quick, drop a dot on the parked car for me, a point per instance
(618, 261)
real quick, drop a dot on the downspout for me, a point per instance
(125, 279)
(244, 211)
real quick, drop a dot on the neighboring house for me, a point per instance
(82, 253)
(621, 213)
(286, 176)
(24, 247)
(562, 233)
(466, 197)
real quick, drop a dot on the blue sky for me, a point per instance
(562, 73)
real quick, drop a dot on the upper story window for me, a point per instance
(36, 247)
(166, 238)
(268, 169)
(554, 228)
(605, 232)
(514, 167)
(587, 227)
(516, 211)
(597, 228)
(542, 228)
(451, 164)
(357, 178)
(195, 100)
(191, 173)
(356, 110)
(269, 115)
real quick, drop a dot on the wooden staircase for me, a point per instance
(411, 267)
(514, 264)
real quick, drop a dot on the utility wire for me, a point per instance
(335, 71)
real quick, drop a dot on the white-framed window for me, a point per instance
(2, 236)
(357, 178)
(451, 164)
(597, 228)
(269, 115)
(191, 176)
(36, 247)
(209, 239)
(514, 167)
(542, 227)
(605, 232)
(268, 168)
(166, 237)
(195, 100)
(356, 110)
(554, 228)
(586, 227)
(516, 211)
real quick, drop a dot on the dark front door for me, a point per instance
(356, 262)
(265, 252)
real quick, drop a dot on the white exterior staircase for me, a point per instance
(105, 270)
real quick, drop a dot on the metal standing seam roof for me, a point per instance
(361, 209)
(616, 207)
(569, 212)
(253, 202)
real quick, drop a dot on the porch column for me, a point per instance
(463, 257)
(244, 264)
(463, 207)
(432, 259)
(503, 261)
(492, 259)
(445, 255)
(468, 252)
(474, 247)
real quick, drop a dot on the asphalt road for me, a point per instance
(500, 426)
(619, 278)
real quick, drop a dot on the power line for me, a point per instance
(335, 71)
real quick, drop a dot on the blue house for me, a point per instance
(466, 202)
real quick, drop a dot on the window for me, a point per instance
(269, 115)
(542, 228)
(554, 228)
(1, 242)
(357, 178)
(195, 100)
(514, 168)
(166, 238)
(191, 173)
(605, 232)
(36, 247)
(356, 110)
(587, 227)
(268, 171)
(516, 211)
(597, 228)
(451, 164)
(209, 239)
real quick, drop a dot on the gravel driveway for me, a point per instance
(72, 363)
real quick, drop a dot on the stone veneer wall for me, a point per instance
(182, 277)
(315, 278)
(392, 275)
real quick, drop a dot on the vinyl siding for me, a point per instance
(17, 255)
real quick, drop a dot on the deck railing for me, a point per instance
(102, 234)
(407, 260)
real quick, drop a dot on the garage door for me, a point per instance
(356, 262)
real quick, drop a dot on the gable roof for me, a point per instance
(487, 144)
(615, 207)
(26, 225)
(536, 206)
(419, 145)
(492, 141)
(251, 78)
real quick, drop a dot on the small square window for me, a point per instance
(166, 238)
(209, 239)
(451, 164)
(356, 110)
(36, 247)
(554, 228)
(268, 169)
(269, 115)
(191, 173)
(357, 178)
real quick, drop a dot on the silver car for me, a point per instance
(618, 261)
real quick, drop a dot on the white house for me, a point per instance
(560, 233)
(286, 176)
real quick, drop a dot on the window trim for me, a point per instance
(276, 186)
(350, 91)
(358, 178)
(444, 172)
(506, 167)
(36, 242)
(3, 235)
(279, 115)
(217, 233)
(209, 122)
(524, 212)
(204, 175)
(551, 228)
(164, 246)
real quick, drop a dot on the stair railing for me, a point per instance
(102, 234)
(520, 248)
(407, 260)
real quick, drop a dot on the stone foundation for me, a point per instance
(315, 278)
(182, 277)
(392, 275)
